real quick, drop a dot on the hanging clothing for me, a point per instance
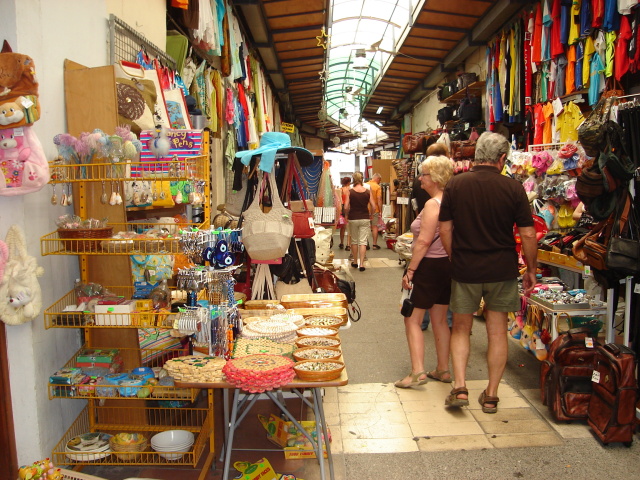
(570, 75)
(556, 29)
(596, 82)
(568, 121)
(579, 62)
(610, 38)
(547, 22)
(561, 71)
(547, 131)
(611, 21)
(589, 50)
(536, 39)
(585, 18)
(597, 13)
(574, 22)
(625, 6)
(621, 60)
(538, 123)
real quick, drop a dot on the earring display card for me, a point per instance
(184, 144)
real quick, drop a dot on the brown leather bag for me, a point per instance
(611, 411)
(463, 150)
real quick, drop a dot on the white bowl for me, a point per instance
(172, 456)
(171, 438)
(176, 448)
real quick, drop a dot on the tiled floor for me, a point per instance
(377, 417)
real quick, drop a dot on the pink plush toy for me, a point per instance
(23, 166)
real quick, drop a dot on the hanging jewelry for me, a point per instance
(54, 197)
(69, 194)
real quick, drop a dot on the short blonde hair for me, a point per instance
(440, 168)
(357, 179)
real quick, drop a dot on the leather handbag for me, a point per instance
(623, 254)
(136, 97)
(463, 150)
(591, 133)
(470, 109)
(266, 236)
(465, 79)
(445, 114)
(302, 215)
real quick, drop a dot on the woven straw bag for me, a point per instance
(266, 236)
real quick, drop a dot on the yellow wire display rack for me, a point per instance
(132, 419)
(149, 357)
(178, 169)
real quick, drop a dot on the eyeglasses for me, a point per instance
(425, 174)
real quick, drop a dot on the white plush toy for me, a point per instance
(20, 294)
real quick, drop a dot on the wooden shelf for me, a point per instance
(475, 89)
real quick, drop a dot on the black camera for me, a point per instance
(407, 306)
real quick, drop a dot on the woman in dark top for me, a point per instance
(356, 210)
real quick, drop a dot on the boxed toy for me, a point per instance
(285, 434)
(261, 470)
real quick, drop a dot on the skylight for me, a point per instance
(364, 34)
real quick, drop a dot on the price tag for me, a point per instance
(539, 344)
(466, 126)
(26, 103)
(402, 200)
(587, 271)
(311, 225)
(636, 288)
(588, 342)
(595, 377)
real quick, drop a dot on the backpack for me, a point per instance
(23, 165)
(20, 294)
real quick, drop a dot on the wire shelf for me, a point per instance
(62, 314)
(54, 244)
(132, 358)
(175, 169)
(125, 43)
(541, 147)
(146, 421)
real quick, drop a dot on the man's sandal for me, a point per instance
(439, 375)
(415, 380)
(489, 404)
(453, 401)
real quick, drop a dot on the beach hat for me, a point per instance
(270, 144)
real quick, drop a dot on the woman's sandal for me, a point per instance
(415, 380)
(439, 375)
(485, 400)
(453, 401)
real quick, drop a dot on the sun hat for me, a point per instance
(270, 144)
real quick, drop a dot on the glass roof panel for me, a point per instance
(364, 34)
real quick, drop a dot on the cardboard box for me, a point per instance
(261, 470)
(115, 315)
(90, 357)
(285, 435)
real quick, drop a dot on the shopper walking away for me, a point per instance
(344, 193)
(429, 276)
(478, 211)
(376, 211)
(357, 212)
(418, 198)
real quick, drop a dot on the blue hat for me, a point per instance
(270, 144)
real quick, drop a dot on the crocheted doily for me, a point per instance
(259, 373)
(255, 346)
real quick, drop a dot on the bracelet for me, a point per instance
(410, 270)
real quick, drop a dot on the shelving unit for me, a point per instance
(474, 89)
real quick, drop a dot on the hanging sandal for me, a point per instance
(415, 380)
(439, 375)
(485, 400)
(453, 401)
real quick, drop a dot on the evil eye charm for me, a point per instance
(187, 188)
(208, 254)
(226, 260)
(221, 247)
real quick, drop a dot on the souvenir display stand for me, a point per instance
(106, 261)
(242, 402)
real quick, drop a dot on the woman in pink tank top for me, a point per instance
(428, 276)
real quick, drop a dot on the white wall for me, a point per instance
(47, 32)
(426, 111)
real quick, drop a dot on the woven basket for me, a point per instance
(308, 331)
(314, 300)
(328, 353)
(261, 304)
(323, 321)
(333, 311)
(82, 239)
(129, 451)
(321, 342)
(318, 376)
